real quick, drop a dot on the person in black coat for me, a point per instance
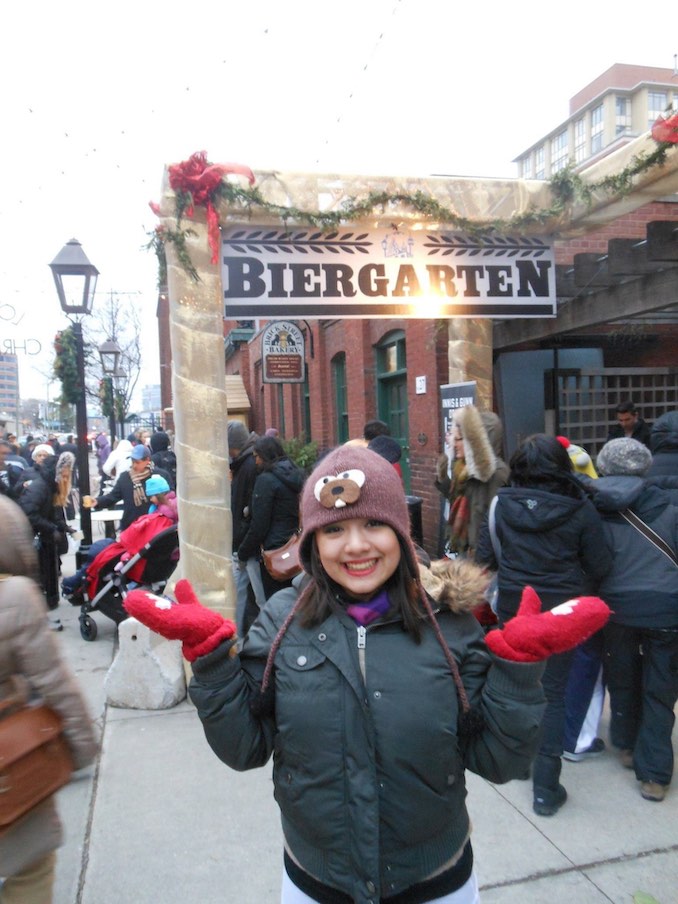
(130, 487)
(550, 537)
(641, 638)
(275, 506)
(162, 456)
(43, 501)
(10, 472)
(248, 585)
(630, 424)
(664, 447)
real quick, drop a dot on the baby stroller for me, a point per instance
(107, 585)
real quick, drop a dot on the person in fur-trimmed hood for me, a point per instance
(478, 471)
(375, 696)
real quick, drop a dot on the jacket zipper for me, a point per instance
(362, 633)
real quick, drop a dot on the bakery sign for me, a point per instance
(282, 349)
(392, 272)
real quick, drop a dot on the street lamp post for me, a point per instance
(109, 352)
(76, 279)
(119, 377)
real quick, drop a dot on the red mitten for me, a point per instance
(200, 629)
(534, 635)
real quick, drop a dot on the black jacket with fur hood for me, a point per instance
(368, 766)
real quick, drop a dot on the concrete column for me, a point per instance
(200, 415)
(469, 356)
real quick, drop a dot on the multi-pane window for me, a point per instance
(559, 151)
(579, 141)
(622, 115)
(539, 170)
(657, 102)
(597, 129)
(526, 167)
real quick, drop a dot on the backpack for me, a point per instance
(167, 460)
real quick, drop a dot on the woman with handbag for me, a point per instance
(31, 668)
(374, 703)
(274, 514)
(43, 501)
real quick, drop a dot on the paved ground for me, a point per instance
(160, 819)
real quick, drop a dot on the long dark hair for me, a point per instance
(324, 596)
(542, 463)
(270, 450)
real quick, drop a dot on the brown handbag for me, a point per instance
(283, 563)
(35, 760)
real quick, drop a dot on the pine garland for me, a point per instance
(106, 396)
(566, 186)
(65, 366)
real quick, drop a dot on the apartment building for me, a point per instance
(617, 106)
(9, 389)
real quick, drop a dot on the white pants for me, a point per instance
(467, 894)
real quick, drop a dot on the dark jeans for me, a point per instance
(641, 671)
(554, 682)
(554, 679)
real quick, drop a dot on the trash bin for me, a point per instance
(414, 504)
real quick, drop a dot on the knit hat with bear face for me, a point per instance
(353, 482)
(624, 457)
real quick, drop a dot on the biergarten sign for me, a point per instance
(282, 348)
(388, 273)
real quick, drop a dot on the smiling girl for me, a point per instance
(372, 703)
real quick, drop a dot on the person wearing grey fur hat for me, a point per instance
(43, 501)
(624, 456)
(641, 638)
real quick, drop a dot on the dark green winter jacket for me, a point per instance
(368, 770)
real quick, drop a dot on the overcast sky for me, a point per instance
(98, 98)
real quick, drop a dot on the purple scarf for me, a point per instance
(366, 613)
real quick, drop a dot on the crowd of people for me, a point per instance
(377, 676)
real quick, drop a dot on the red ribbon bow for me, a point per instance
(666, 129)
(200, 178)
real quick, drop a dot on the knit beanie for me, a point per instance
(387, 447)
(156, 484)
(159, 441)
(624, 456)
(238, 434)
(42, 448)
(352, 482)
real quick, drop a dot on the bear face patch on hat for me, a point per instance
(352, 482)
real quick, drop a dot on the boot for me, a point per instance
(549, 794)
